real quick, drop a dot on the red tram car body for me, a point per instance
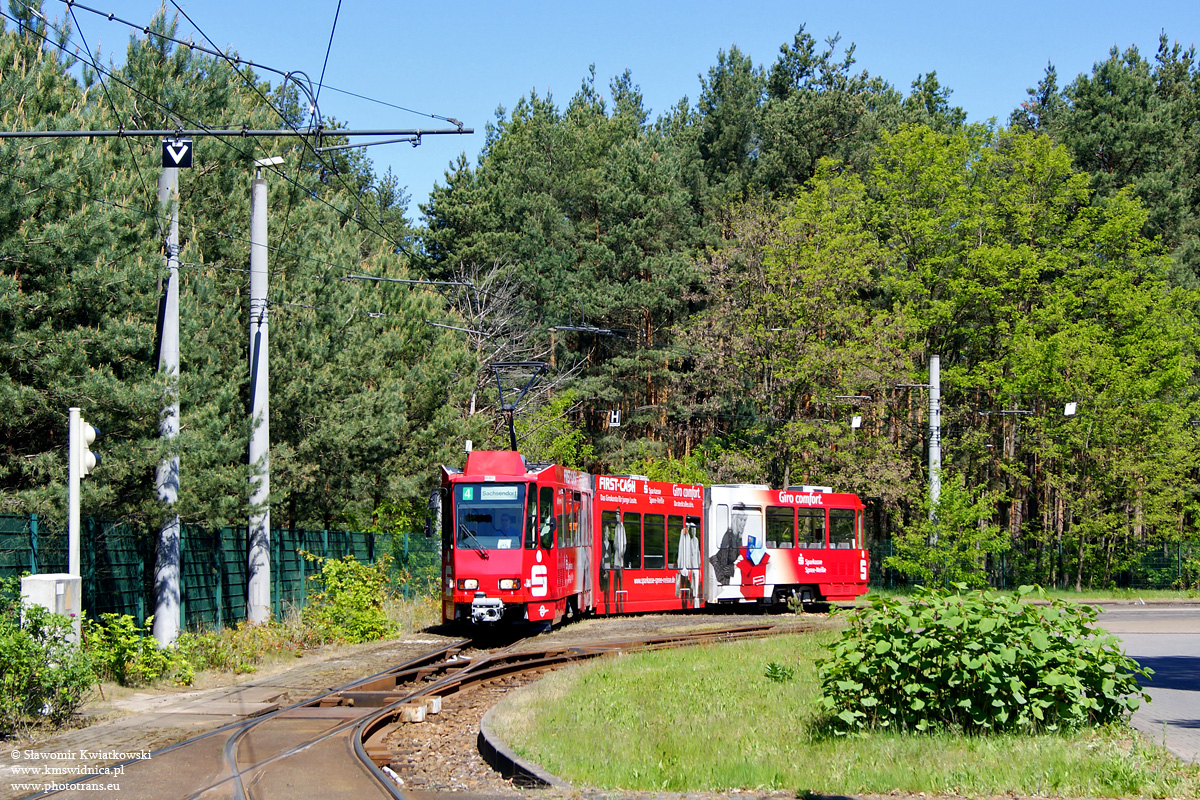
(537, 542)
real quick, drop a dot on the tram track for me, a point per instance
(344, 742)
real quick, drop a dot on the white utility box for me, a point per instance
(57, 592)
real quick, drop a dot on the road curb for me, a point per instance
(500, 758)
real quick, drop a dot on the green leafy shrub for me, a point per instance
(239, 649)
(976, 661)
(348, 604)
(130, 655)
(44, 676)
(780, 673)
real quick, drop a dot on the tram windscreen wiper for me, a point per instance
(464, 534)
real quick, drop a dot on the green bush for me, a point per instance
(43, 675)
(348, 603)
(976, 661)
(130, 655)
(238, 649)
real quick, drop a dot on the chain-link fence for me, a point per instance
(117, 565)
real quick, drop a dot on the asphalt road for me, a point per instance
(1165, 638)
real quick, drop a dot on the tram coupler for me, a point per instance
(486, 609)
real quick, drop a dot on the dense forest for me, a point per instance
(718, 291)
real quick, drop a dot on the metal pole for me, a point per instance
(935, 434)
(33, 544)
(258, 601)
(73, 447)
(166, 563)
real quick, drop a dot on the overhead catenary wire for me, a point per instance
(206, 130)
(277, 249)
(328, 49)
(286, 75)
(108, 97)
(156, 216)
(282, 116)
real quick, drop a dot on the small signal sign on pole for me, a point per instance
(177, 153)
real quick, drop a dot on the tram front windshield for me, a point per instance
(487, 516)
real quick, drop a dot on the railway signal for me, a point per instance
(85, 436)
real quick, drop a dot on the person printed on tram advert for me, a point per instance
(753, 566)
(617, 574)
(728, 551)
(687, 581)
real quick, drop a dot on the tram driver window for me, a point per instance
(781, 526)
(810, 528)
(841, 528)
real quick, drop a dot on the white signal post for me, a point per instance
(81, 461)
(57, 592)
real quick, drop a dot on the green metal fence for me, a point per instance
(1164, 565)
(117, 565)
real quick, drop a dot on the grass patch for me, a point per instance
(710, 718)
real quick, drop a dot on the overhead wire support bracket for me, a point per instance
(415, 140)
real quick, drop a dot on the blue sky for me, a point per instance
(463, 59)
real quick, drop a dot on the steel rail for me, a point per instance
(508, 662)
(413, 665)
(300, 742)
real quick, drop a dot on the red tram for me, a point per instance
(539, 542)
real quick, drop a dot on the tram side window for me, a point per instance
(656, 541)
(810, 528)
(674, 531)
(633, 540)
(566, 531)
(781, 526)
(841, 528)
(531, 519)
(576, 511)
(585, 520)
(608, 533)
(560, 508)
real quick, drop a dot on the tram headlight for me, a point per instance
(510, 583)
(467, 584)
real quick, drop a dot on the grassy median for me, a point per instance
(743, 715)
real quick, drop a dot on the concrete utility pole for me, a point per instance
(258, 584)
(166, 479)
(935, 434)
